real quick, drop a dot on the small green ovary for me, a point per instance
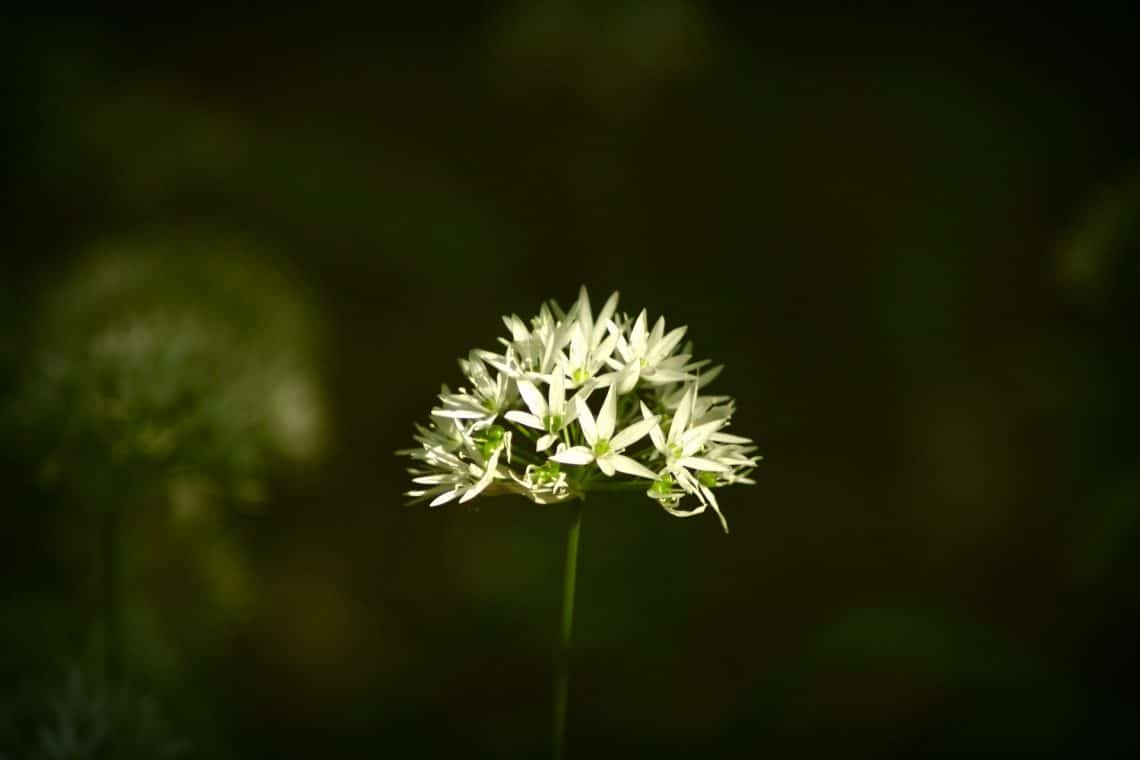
(601, 448)
(547, 473)
(490, 441)
(663, 486)
(580, 376)
(707, 479)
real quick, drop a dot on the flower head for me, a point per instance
(524, 424)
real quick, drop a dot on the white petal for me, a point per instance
(604, 317)
(483, 481)
(607, 418)
(655, 433)
(584, 314)
(658, 331)
(628, 377)
(606, 380)
(533, 398)
(638, 334)
(606, 464)
(460, 414)
(603, 352)
(680, 421)
(661, 376)
(667, 344)
(711, 498)
(523, 418)
(579, 347)
(707, 377)
(586, 420)
(633, 433)
(694, 438)
(700, 463)
(677, 512)
(557, 403)
(728, 438)
(629, 466)
(432, 480)
(574, 455)
(445, 497)
(545, 441)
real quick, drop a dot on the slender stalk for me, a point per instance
(112, 619)
(562, 665)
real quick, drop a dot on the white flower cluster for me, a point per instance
(524, 424)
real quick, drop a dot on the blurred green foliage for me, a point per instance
(81, 720)
(172, 355)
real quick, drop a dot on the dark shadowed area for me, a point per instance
(243, 251)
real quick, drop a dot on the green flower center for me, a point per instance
(663, 486)
(492, 438)
(547, 473)
(580, 376)
(601, 448)
(707, 479)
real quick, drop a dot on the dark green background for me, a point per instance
(910, 237)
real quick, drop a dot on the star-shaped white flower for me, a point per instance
(550, 415)
(680, 447)
(489, 396)
(605, 448)
(649, 355)
(591, 341)
(684, 439)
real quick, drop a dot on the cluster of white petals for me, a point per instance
(576, 402)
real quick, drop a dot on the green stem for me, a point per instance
(562, 666)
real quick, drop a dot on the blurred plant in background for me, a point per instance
(81, 719)
(170, 359)
(170, 376)
(1098, 263)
